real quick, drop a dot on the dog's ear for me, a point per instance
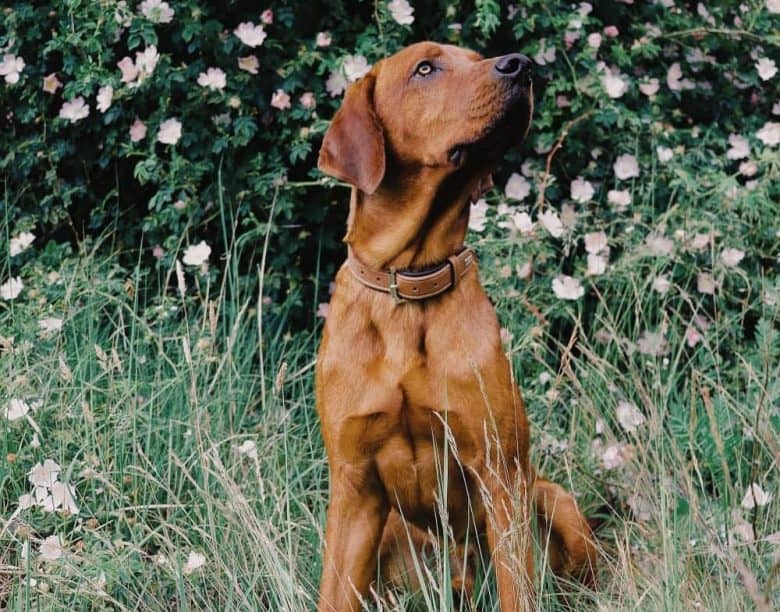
(353, 149)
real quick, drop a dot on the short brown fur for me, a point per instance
(396, 381)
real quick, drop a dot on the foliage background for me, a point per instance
(677, 315)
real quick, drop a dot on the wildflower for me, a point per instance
(649, 88)
(280, 99)
(552, 223)
(629, 416)
(517, 187)
(169, 132)
(478, 216)
(659, 245)
(581, 190)
(11, 68)
(128, 68)
(740, 147)
(355, 66)
(323, 39)
(156, 11)
(626, 167)
(50, 325)
(766, 68)
(732, 257)
(620, 199)
(614, 84)
(104, 97)
(51, 548)
(196, 254)
(51, 83)
(705, 283)
(214, 79)
(11, 288)
(755, 496)
(43, 475)
(769, 134)
(75, 110)
(195, 560)
(661, 284)
(336, 83)
(594, 40)
(653, 344)
(267, 16)
(308, 101)
(665, 154)
(595, 242)
(137, 130)
(614, 455)
(773, 6)
(611, 31)
(545, 55)
(567, 288)
(401, 11)
(250, 64)
(250, 34)
(248, 448)
(674, 80)
(20, 243)
(17, 409)
(323, 309)
(521, 221)
(597, 264)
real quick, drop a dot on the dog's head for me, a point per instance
(429, 106)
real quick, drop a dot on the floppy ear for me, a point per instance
(353, 149)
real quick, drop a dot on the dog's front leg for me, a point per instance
(356, 517)
(509, 539)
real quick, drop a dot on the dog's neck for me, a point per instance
(419, 223)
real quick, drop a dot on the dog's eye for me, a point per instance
(424, 69)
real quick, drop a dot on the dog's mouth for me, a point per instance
(499, 133)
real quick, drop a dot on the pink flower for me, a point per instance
(267, 16)
(323, 308)
(250, 34)
(157, 251)
(11, 68)
(104, 97)
(250, 64)
(611, 31)
(51, 83)
(323, 39)
(308, 101)
(214, 79)
(649, 88)
(280, 99)
(75, 110)
(128, 68)
(137, 130)
(169, 132)
(594, 40)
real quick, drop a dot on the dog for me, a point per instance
(413, 387)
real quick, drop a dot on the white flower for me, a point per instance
(280, 99)
(75, 110)
(214, 78)
(26, 501)
(128, 68)
(770, 133)
(614, 456)
(614, 84)
(51, 548)
(620, 199)
(104, 97)
(50, 324)
(626, 167)
(740, 147)
(336, 83)
(20, 242)
(517, 187)
(659, 245)
(44, 475)
(195, 560)
(62, 498)
(674, 79)
(581, 190)
(661, 284)
(478, 216)
(524, 270)
(250, 34)
(597, 264)
(248, 448)
(196, 254)
(629, 416)
(169, 132)
(146, 61)
(11, 67)
(522, 222)
(567, 288)
(732, 257)
(755, 496)
(650, 88)
(653, 344)
(355, 66)
(11, 288)
(595, 242)
(766, 68)
(17, 409)
(664, 154)
(594, 40)
(250, 64)
(773, 6)
(705, 283)
(748, 168)
(323, 39)
(545, 55)
(156, 11)
(701, 241)
(552, 223)
(401, 11)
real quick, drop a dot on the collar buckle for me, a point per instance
(394, 287)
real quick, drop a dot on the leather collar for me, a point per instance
(415, 286)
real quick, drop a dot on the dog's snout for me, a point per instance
(513, 66)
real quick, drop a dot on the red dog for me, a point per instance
(411, 361)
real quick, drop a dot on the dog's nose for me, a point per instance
(513, 66)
